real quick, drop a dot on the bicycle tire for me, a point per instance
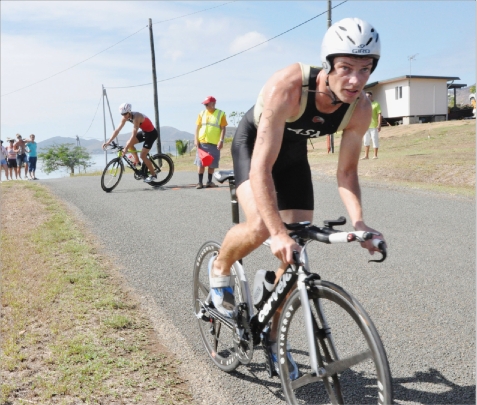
(348, 335)
(216, 337)
(111, 177)
(164, 169)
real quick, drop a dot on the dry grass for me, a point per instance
(438, 156)
(71, 333)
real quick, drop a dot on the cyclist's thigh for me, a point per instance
(149, 138)
(242, 147)
(291, 216)
(293, 183)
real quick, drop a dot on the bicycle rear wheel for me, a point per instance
(112, 174)
(348, 347)
(217, 335)
(164, 168)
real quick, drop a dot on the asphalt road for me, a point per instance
(422, 299)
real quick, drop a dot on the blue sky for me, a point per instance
(40, 39)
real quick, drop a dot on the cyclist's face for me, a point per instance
(349, 76)
(126, 115)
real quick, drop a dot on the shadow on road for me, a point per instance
(443, 391)
(429, 387)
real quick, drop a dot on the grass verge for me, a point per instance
(70, 332)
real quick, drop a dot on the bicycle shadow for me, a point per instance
(444, 391)
(429, 387)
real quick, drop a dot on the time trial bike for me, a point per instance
(112, 173)
(337, 349)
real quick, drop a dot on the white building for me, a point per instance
(411, 99)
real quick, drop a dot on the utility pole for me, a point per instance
(331, 137)
(411, 58)
(154, 83)
(104, 124)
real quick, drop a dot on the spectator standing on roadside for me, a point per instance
(209, 136)
(22, 158)
(3, 160)
(12, 159)
(32, 156)
(374, 127)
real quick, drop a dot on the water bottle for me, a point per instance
(263, 286)
(130, 156)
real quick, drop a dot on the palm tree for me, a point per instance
(181, 146)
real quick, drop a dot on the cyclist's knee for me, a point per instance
(144, 153)
(257, 232)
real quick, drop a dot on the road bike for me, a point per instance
(337, 349)
(163, 168)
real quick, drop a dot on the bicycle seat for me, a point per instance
(223, 175)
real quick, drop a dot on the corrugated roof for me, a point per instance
(395, 79)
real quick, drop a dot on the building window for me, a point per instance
(398, 92)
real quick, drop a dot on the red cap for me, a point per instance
(208, 100)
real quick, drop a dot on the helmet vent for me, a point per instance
(339, 36)
(377, 37)
(342, 28)
(359, 27)
(369, 41)
(354, 43)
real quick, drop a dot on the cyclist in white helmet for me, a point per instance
(143, 131)
(274, 184)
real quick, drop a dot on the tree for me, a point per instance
(236, 116)
(181, 146)
(472, 89)
(65, 155)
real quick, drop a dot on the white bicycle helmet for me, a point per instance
(350, 36)
(124, 108)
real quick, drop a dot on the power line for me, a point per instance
(195, 12)
(104, 50)
(94, 115)
(71, 67)
(231, 56)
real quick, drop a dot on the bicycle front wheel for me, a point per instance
(217, 336)
(352, 364)
(112, 174)
(163, 167)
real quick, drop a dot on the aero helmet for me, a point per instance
(350, 36)
(124, 108)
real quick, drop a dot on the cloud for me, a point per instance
(246, 41)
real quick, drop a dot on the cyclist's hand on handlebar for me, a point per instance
(371, 244)
(282, 247)
(105, 145)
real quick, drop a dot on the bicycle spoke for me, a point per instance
(341, 365)
(203, 288)
(361, 373)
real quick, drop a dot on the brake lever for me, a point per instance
(381, 245)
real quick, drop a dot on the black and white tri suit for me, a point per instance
(291, 171)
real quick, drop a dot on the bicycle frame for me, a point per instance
(297, 276)
(130, 163)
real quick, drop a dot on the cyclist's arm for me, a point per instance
(116, 131)
(347, 172)
(281, 100)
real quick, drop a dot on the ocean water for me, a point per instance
(98, 164)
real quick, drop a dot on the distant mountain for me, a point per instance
(169, 135)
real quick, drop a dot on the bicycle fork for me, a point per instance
(305, 303)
